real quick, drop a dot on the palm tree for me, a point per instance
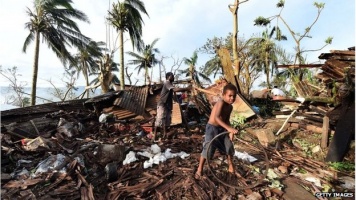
(213, 66)
(146, 60)
(86, 60)
(52, 19)
(265, 52)
(192, 72)
(105, 77)
(124, 17)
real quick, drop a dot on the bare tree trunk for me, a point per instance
(85, 73)
(121, 50)
(234, 10)
(35, 69)
(267, 72)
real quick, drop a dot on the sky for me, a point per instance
(182, 26)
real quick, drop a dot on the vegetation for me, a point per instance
(86, 60)
(342, 166)
(299, 57)
(17, 99)
(52, 19)
(265, 52)
(146, 60)
(126, 17)
(104, 77)
(192, 72)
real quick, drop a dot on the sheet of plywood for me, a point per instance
(176, 114)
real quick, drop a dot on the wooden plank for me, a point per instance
(226, 63)
(325, 133)
(343, 52)
(300, 66)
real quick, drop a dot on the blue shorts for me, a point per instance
(223, 143)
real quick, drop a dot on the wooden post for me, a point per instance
(325, 132)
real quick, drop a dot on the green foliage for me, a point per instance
(280, 4)
(329, 40)
(236, 120)
(319, 5)
(261, 21)
(342, 166)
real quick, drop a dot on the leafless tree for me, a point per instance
(175, 65)
(67, 93)
(16, 86)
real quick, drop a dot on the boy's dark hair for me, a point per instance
(169, 74)
(229, 87)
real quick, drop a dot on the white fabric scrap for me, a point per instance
(245, 156)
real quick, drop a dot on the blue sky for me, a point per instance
(181, 25)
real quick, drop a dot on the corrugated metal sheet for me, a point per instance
(133, 100)
(119, 113)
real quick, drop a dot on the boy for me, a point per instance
(219, 121)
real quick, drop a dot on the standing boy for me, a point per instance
(219, 121)
(165, 104)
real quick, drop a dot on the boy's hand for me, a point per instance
(232, 130)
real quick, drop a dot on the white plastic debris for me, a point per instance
(50, 163)
(348, 182)
(130, 157)
(245, 156)
(148, 163)
(156, 156)
(168, 154)
(103, 118)
(182, 154)
(145, 154)
(155, 149)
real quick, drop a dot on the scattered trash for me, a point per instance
(109, 153)
(192, 123)
(256, 109)
(130, 157)
(50, 164)
(111, 172)
(245, 156)
(33, 144)
(103, 118)
(156, 156)
(348, 182)
(69, 128)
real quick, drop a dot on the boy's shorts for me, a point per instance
(164, 116)
(223, 143)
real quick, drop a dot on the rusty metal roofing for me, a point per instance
(30, 112)
(133, 100)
